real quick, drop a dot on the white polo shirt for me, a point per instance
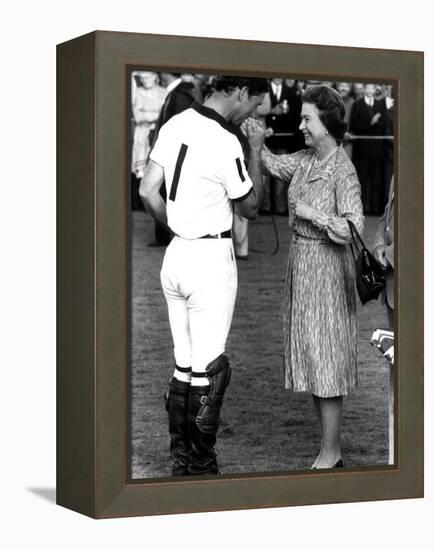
(204, 170)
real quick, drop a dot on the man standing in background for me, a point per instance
(284, 118)
(180, 96)
(344, 90)
(368, 118)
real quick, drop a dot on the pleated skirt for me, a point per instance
(319, 319)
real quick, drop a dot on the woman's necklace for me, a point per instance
(317, 163)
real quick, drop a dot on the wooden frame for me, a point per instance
(93, 275)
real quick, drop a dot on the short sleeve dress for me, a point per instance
(319, 318)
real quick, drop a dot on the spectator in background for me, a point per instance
(358, 90)
(368, 118)
(180, 96)
(296, 142)
(383, 252)
(300, 85)
(389, 109)
(284, 118)
(344, 90)
(206, 82)
(147, 100)
(197, 89)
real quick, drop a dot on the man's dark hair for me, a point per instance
(256, 86)
(331, 109)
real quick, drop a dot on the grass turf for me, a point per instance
(264, 428)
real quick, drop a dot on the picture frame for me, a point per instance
(93, 474)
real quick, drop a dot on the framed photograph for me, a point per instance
(224, 339)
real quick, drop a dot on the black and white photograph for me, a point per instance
(262, 274)
(197, 347)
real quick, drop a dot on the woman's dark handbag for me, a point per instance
(370, 275)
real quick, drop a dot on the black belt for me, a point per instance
(225, 235)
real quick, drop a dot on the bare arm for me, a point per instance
(248, 207)
(149, 191)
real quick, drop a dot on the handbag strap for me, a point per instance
(357, 241)
(352, 252)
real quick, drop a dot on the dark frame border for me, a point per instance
(93, 275)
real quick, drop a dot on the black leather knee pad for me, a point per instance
(219, 374)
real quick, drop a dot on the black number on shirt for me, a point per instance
(240, 170)
(177, 173)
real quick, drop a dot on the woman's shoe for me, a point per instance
(339, 464)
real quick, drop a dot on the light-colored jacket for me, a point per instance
(385, 236)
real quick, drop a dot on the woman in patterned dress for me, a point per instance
(320, 332)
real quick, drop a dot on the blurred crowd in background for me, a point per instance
(369, 141)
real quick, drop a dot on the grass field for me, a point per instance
(264, 427)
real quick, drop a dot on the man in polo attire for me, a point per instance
(201, 161)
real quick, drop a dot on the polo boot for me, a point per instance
(203, 458)
(176, 405)
(204, 404)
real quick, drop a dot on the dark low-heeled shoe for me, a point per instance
(339, 464)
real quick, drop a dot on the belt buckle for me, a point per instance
(204, 400)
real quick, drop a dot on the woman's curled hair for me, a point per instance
(331, 109)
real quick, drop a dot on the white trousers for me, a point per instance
(199, 280)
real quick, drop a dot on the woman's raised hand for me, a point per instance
(254, 132)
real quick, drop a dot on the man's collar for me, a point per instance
(212, 114)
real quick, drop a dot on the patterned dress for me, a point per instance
(319, 319)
